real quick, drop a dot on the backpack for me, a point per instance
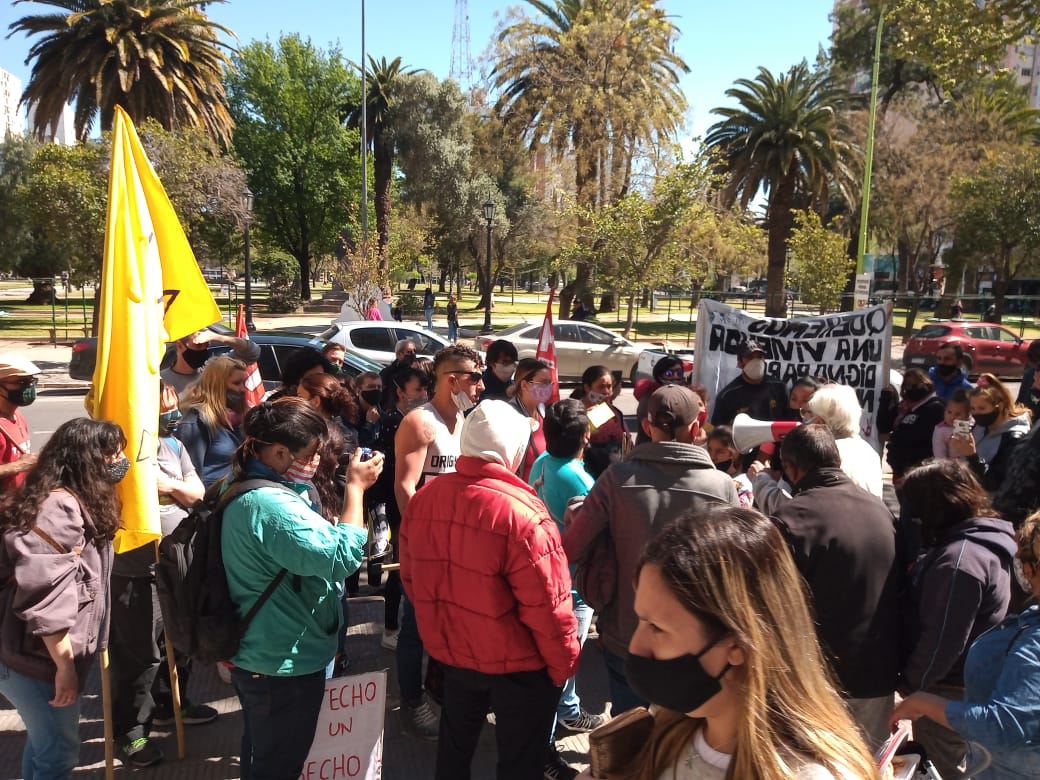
(198, 612)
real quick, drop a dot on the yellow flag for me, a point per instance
(147, 297)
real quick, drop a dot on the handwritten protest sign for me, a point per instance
(349, 740)
(850, 348)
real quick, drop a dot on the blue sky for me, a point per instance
(721, 42)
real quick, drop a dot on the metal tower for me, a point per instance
(461, 59)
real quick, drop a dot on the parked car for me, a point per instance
(274, 348)
(375, 340)
(988, 347)
(578, 346)
(648, 359)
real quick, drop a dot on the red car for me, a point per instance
(988, 347)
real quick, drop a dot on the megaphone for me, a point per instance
(748, 432)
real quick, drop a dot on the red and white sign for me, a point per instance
(254, 382)
(547, 347)
(349, 739)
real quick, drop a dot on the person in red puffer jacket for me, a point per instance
(482, 561)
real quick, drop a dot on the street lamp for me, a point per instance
(247, 205)
(489, 215)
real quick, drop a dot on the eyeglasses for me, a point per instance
(474, 376)
(672, 373)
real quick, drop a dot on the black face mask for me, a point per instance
(118, 470)
(680, 684)
(987, 419)
(23, 396)
(195, 358)
(946, 370)
(371, 397)
(723, 465)
(915, 393)
(235, 399)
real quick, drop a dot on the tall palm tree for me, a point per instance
(786, 139)
(592, 79)
(157, 59)
(382, 79)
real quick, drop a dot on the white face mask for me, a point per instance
(504, 371)
(462, 401)
(755, 369)
(1020, 575)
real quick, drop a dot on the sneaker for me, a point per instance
(191, 714)
(584, 723)
(141, 752)
(556, 768)
(389, 640)
(423, 720)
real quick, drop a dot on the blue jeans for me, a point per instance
(52, 741)
(453, 331)
(622, 697)
(569, 707)
(409, 656)
(429, 318)
(281, 715)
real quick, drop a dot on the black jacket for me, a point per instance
(1019, 495)
(844, 545)
(958, 589)
(911, 440)
(764, 401)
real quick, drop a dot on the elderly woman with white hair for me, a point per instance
(837, 407)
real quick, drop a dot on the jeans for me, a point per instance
(280, 716)
(523, 703)
(429, 318)
(453, 331)
(52, 741)
(569, 707)
(409, 656)
(622, 697)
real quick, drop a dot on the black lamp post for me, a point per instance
(247, 204)
(489, 215)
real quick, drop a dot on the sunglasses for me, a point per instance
(672, 373)
(474, 376)
(21, 383)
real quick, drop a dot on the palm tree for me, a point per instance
(383, 78)
(592, 79)
(786, 139)
(157, 59)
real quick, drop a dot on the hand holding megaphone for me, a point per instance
(749, 433)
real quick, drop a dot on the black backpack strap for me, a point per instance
(268, 591)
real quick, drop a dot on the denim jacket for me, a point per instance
(1001, 707)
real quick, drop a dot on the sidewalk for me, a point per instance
(212, 750)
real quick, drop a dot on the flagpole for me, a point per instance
(364, 136)
(869, 157)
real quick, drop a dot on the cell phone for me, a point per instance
(962, 428)
(366, 454)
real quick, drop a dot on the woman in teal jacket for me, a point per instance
(279, 671)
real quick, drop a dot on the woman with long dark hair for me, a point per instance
(55, 563)
(959, 588)
(609, 441)
(531, 390)
(268, 533)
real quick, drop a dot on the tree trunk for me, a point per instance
(630, 314)
(780, 223)
(304, 259)
(42, 293)
(383, 163)
(607, 302)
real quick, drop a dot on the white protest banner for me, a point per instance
(849, 348)
(349, 740)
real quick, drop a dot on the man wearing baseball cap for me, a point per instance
(753, 393)
(18, 377)
(631, 501)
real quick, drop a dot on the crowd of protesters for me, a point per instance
(764, 603)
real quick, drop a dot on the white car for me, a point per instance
(579, 345)
(375, 340)
(648, 359)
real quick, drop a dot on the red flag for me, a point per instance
(254, 382)
(547, 347)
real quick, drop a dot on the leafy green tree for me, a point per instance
(16, 153)
(382, 78)
(997, 210)
(159, 59)
(786, 139)
(593, 79)
(819, 263)
(286, 100)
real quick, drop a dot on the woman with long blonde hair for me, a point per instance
(726, 650)
(213, 406)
